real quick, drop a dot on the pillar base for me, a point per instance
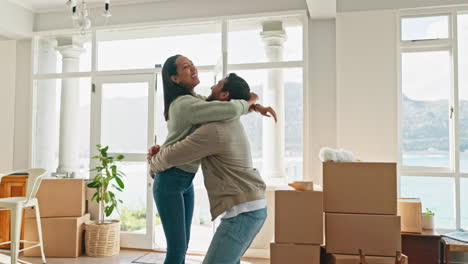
(68, 170)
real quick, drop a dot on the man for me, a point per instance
(235, 189)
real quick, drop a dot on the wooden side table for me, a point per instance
(10, 186)
(451, 245)
(421, 248)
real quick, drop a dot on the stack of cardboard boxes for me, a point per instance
(62, 207)
(298, 227)
(360, 204)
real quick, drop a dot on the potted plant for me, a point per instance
(102, 237)
(428, 219)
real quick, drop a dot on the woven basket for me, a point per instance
(102, 240)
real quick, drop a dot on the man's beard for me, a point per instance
(210, 98)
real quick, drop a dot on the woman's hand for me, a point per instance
(153, 150)
(253, 99)
(266, 111)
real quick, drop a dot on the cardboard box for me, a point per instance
(360, 187)
(62, 236)
(410, 210)
(376, 235)
(294, 254)
(353, 259)
(299, 217)
(60, 198)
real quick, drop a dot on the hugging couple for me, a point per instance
(207, 130)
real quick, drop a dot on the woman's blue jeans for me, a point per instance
(174, 197)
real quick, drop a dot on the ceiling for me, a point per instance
(46, 5)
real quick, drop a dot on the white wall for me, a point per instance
(322, 91)
(367, 84)
(366, 5)
(169, 10)
(7, 103)
(15, 21)
(23, 120)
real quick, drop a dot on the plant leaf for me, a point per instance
(95, 196)
(109, 210)
(94, 184)
(120, 182)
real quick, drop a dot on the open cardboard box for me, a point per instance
(410, 210)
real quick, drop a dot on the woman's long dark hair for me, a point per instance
(171, 89)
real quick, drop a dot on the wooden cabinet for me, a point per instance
(421, 248)
(10, 186)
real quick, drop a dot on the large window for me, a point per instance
(116, 71)
(145, 48)
(434, 99)
(426, 85)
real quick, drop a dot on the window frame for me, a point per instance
(94, 73)
(451, 45)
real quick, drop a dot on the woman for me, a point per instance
(183, 111)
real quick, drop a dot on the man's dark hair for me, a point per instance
(237, 87)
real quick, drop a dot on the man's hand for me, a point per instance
(253, 99)
(153, 150)
(266, 111)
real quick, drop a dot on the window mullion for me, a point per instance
(455, 122)
(94, 49)
(224, 46)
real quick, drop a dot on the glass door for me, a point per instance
(123, 119)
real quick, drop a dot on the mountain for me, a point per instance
(124, 123)
(426, 125)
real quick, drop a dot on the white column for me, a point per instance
(69, 110)
(45, 149)
(273, 136)
(274, 36)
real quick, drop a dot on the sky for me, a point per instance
(427, 75)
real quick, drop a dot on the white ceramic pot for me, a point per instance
(427, 222)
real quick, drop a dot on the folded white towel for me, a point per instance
(336, 155)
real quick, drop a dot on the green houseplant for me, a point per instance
(428, 219)
(102, 238)
(107, 176)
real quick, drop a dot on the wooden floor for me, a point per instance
(125, 257)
